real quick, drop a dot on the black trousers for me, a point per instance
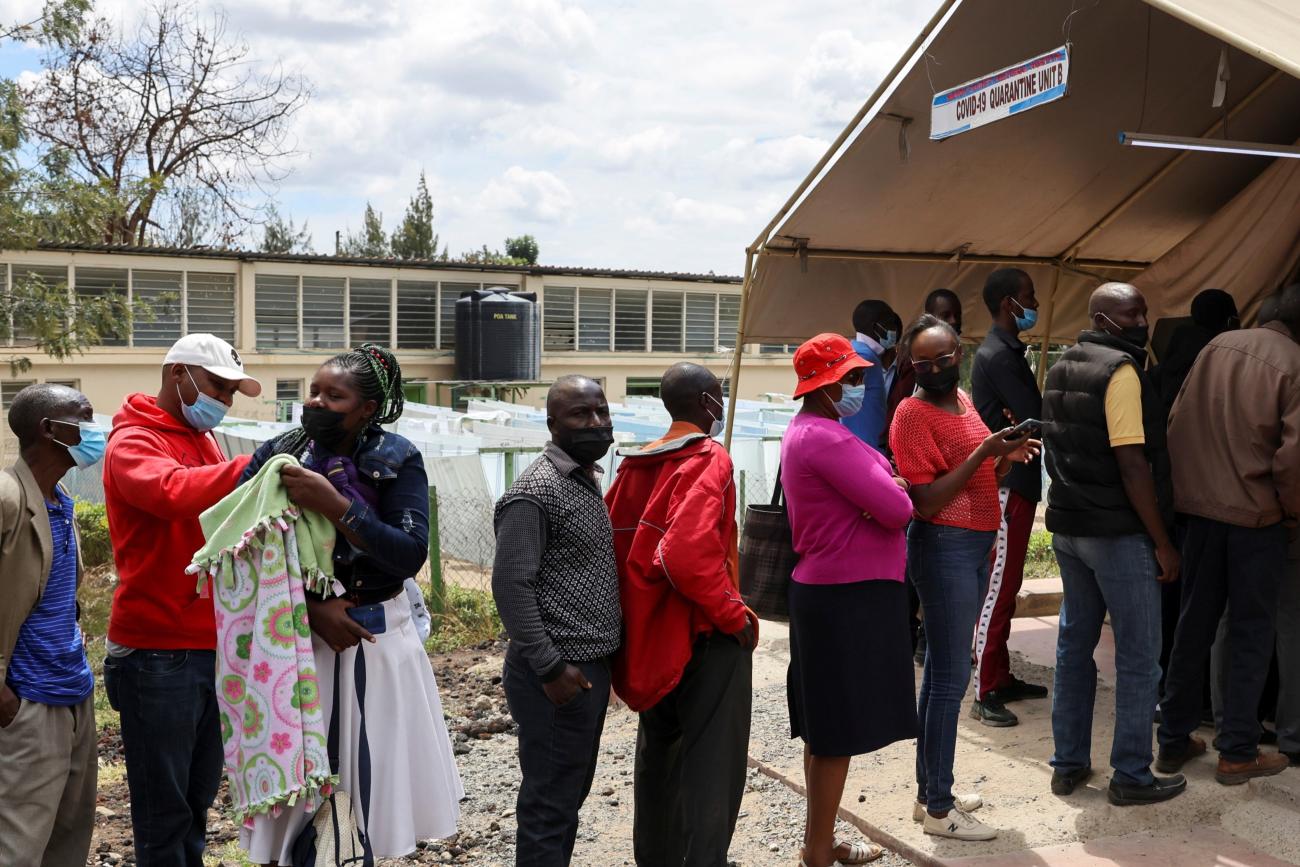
(691, 754)
(1241, 568)
(558, 747)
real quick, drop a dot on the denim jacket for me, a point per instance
(396, 532)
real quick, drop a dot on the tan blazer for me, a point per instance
(26, 553)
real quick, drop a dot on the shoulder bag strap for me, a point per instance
(778, 493)
(363, 747)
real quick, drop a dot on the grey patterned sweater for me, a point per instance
(554, 577)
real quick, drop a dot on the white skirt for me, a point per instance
(415, 790)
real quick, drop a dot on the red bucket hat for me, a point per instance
(824, 359)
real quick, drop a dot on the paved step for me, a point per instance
(1039, 598)
(1149, 849)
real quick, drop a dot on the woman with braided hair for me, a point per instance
(372, 486)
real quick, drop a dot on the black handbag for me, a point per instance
(333, 836)
(767, 557)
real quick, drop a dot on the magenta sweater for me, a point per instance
(831, 477)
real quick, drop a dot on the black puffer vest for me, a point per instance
(1087, 496)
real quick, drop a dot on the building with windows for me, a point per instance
(287, 313)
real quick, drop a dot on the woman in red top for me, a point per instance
(953, 464)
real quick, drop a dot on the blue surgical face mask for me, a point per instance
(850, 401)
(888, 340)
(1027, 318)
(719, 420)
(205, 413)
(90, 450)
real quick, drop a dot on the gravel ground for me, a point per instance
(768, 831)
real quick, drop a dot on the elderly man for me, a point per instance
(163, 469)
(48, 768)
(1110, 509)
(556, 586)
(1236, 431)
(1005, 390)
(686, 659)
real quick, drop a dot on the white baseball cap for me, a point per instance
(216, 356)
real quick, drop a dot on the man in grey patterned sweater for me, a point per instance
(556, 587)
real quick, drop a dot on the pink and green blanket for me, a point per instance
(262, 554)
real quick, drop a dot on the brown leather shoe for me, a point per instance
(1263, 765)
(1170, 760)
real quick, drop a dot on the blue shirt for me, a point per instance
(869, 422)
(49, 661)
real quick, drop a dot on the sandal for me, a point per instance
(859, 852)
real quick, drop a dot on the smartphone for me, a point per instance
(371, 617)
(1026, 428)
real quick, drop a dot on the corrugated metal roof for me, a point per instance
(426, 264)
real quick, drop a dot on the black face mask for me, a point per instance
(939, 381)
(324, 426)
(589, 444)
(1138, 335)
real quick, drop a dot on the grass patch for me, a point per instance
(228, 854)
(1040, 559)
(469, 617)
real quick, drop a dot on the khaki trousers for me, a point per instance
(48, 774)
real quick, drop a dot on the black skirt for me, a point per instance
(851, 685)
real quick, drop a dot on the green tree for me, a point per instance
(414, 238)
(524, 248)
(282, 236)
(371, 242)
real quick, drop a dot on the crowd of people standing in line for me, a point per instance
(903, 492)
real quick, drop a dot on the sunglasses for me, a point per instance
(943, 362)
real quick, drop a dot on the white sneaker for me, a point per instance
(958, 825)
(968, 803)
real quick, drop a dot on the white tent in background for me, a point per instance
(890, 213)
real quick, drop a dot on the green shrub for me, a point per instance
(1040, 548)
(468, 617)
(96, 547)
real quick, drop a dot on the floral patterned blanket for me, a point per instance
(261, 555)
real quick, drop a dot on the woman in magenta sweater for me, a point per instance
(850, 688)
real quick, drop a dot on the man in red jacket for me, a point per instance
(686, 658)
(163, 468)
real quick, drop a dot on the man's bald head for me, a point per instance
(682, 388)
(565, 389)
(1109, 296)
(35, 403)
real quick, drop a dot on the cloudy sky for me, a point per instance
(657, 134)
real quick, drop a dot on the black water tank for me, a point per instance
(497, 335)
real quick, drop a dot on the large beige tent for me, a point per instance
(890, 213)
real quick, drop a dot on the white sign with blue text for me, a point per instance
(1009, 91)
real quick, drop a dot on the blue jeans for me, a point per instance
(950, 568)
(172, 737)
(1100, 574)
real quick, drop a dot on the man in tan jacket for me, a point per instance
(1234, 441)
(48, 769)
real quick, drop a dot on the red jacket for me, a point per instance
(159, 476)
(673, 508)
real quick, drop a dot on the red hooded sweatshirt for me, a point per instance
(673, 507)
(159, 475)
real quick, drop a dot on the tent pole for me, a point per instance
(1114, 213)
(739, 350)
(1047, 328)
(863, 255)
(884, 85)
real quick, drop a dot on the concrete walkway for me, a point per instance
(1210, 824)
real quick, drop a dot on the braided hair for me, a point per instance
(376, 374)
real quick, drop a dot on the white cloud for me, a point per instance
(592, 124)
(840, 72)
(528, 195)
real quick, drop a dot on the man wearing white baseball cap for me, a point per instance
(162, 469)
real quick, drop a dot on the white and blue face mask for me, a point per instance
(90, 450)
(206, 412)
(720, 420)
(888, 339)
(851, 398)
(1027, 318)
